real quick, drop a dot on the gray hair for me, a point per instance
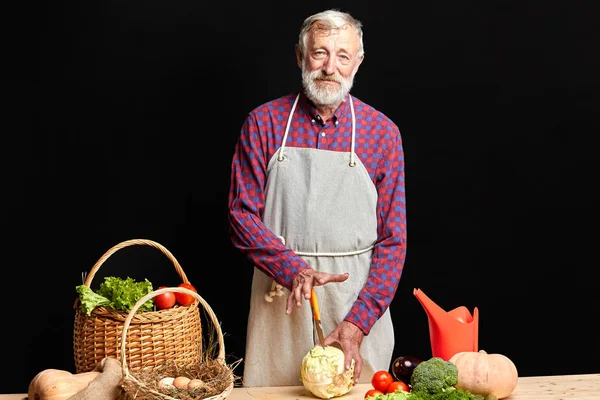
(330, 19)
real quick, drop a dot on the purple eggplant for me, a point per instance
(403, 367)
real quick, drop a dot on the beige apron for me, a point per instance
(323, 205)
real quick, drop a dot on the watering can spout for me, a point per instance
(450, 332)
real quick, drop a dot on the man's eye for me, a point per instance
(344, 59)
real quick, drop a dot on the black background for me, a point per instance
(121, 117)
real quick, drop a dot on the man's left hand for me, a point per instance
(350, 337)
(303, 283)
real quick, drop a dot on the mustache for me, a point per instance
(332, 78)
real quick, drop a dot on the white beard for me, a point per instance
(325, 95)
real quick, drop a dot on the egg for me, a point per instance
(166, 383)
(181, 382)
(195, 384)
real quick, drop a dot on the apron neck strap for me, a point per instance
(352, 162)
(287, 129)
(289, 123)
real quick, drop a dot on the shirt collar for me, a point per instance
(311, 111)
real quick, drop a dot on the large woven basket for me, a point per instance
(153, 337)
(137, 385)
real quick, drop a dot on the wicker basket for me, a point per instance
(153, 338)
(135, 385)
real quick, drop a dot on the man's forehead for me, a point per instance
(323, 29)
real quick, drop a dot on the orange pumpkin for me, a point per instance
(56, 384)
(485, 374)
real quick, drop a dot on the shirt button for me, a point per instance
(323, 134)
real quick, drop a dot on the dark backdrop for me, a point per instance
(122, 117)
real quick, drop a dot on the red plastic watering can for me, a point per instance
(450, 332)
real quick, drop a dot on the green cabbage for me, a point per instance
(323, 373)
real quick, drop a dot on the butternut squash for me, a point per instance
(57, 384)
(485, 374)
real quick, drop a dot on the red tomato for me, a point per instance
(164, 300)
(381, 380)
(397, 386)
(183, 298)
(372, 392)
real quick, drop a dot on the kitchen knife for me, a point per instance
(317, 316)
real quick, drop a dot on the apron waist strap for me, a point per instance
(330, 254)
(277, 289)
(335, 254)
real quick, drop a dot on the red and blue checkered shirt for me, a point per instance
(378, 144)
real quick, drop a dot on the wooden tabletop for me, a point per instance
(559, 387)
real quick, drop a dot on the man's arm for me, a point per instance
(390, 250)
(246, 204)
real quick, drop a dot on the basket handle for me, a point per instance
(115, 248)
(213, 317)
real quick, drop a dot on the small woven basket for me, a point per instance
(153, 337)
(140, 385)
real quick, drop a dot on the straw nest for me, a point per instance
(216, 376)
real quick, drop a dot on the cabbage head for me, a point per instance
(323, 373)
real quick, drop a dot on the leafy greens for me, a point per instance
(117, 293)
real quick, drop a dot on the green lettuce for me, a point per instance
(117, 293)
(398, 395)
(89, 300)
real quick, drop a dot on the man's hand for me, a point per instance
(350, 337)
(303, 283)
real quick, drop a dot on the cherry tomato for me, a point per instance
(397, 386)
(164, 300)
(183, 298)
(381, 380)
(372, 392)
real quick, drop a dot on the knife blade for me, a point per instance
(314, 303)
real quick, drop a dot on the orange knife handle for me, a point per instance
(314, 304)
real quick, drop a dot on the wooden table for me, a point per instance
(559, 387)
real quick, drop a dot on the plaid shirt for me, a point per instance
(378, 144)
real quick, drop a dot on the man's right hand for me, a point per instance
(303, 283)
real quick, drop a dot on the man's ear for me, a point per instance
(360, 60)
(298, 56)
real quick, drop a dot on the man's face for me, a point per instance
(329, 64)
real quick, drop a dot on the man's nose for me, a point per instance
(330, 66)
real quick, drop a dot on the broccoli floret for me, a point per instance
(434, 376)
